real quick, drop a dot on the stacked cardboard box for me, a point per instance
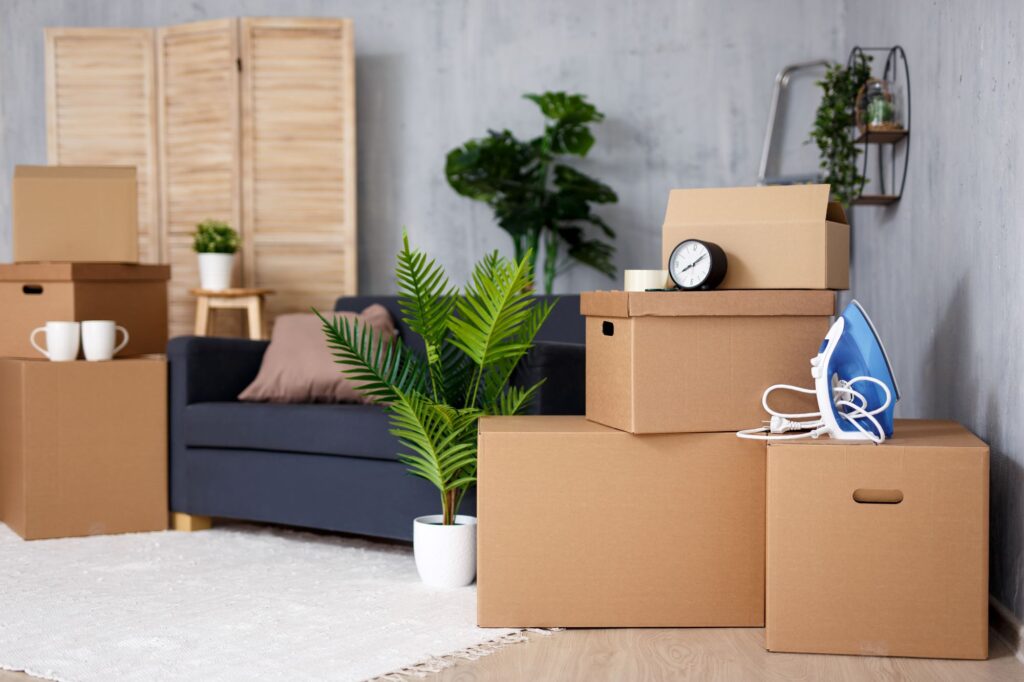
(651, 512)
(82, 444)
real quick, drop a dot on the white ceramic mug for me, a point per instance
(98, 338)
(61, 340)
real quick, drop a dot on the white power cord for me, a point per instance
(851, 403)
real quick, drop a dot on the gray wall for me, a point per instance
(940, 272)
(685, 86)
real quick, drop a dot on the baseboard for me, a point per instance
(1007, 626)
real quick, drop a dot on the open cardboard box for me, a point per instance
(779, 237)
(75, 213)
(880, 550)
(670, 362)
(581, 525)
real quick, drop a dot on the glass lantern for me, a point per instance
(878, 106)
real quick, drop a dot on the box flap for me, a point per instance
(835, 213)
(77, 172)
(907, 433)
(729, 303)
(82, 272)
(732, 205)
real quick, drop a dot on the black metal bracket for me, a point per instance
(894, 59)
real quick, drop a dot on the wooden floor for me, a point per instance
(734, 655)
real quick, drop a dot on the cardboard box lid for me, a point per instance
(82, 272)
(724, 303)
(76, 172)
(548, 424)
(772, 204)
(907, 433)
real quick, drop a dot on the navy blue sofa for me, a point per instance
(332, 467)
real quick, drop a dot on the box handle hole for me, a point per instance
(32, 289)
(877, 496)
(608, 328)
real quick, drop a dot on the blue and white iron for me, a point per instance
(853, 382)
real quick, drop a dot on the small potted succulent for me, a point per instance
(216, 243)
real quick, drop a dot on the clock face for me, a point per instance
(690, 264)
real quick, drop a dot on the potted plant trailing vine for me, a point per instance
(216, 243)
(833, 123)
(536, 197)
(474, 339)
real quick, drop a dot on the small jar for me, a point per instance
(878, 106)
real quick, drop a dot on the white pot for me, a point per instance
(215, 271)
(445, 555)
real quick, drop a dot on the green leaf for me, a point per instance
(581, 186)
(384, 367)
(494, 304)
(441, 440)
(565, 108)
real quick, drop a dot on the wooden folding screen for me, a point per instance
(101, 110)
(251, 121)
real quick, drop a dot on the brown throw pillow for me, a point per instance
(298, 366)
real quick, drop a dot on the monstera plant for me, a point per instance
(473, 339)
(538, 198)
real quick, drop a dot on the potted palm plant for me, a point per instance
(216, 243)
(474, 338)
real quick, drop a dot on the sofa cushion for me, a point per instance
(321, 429)
(298, 366)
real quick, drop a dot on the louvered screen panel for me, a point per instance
(199, 145)
(298, 141)
(100, 110)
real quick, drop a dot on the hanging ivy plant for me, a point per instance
(832, 125)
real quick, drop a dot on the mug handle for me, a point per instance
(124, 341)
(32, 340)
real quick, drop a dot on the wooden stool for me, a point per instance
(250, 300)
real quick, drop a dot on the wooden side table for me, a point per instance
(250, 300)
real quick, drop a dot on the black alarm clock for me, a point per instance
(696, 265)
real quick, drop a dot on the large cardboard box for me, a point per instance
(581, 525)
(781, 237)
(669, 362)
(134, 296)
(75, 213)
(83, 447)
(880, 550)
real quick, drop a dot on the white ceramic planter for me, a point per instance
(445, 555)
(215, 271)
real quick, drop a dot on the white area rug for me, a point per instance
(232, 603)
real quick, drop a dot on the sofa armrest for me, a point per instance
(562, 366)
(202, 369)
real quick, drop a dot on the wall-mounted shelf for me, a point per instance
(897, 142)
(881, 136)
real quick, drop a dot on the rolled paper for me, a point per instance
(642, 280)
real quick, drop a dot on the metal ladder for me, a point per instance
(782, 81)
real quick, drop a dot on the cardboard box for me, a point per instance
(581, 525)
(780, 237)
(901, 572)
(134, 296)
(671, 362)
(83, 447)
(75, 213)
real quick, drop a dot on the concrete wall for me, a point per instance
(940, 272)
(685, 86)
